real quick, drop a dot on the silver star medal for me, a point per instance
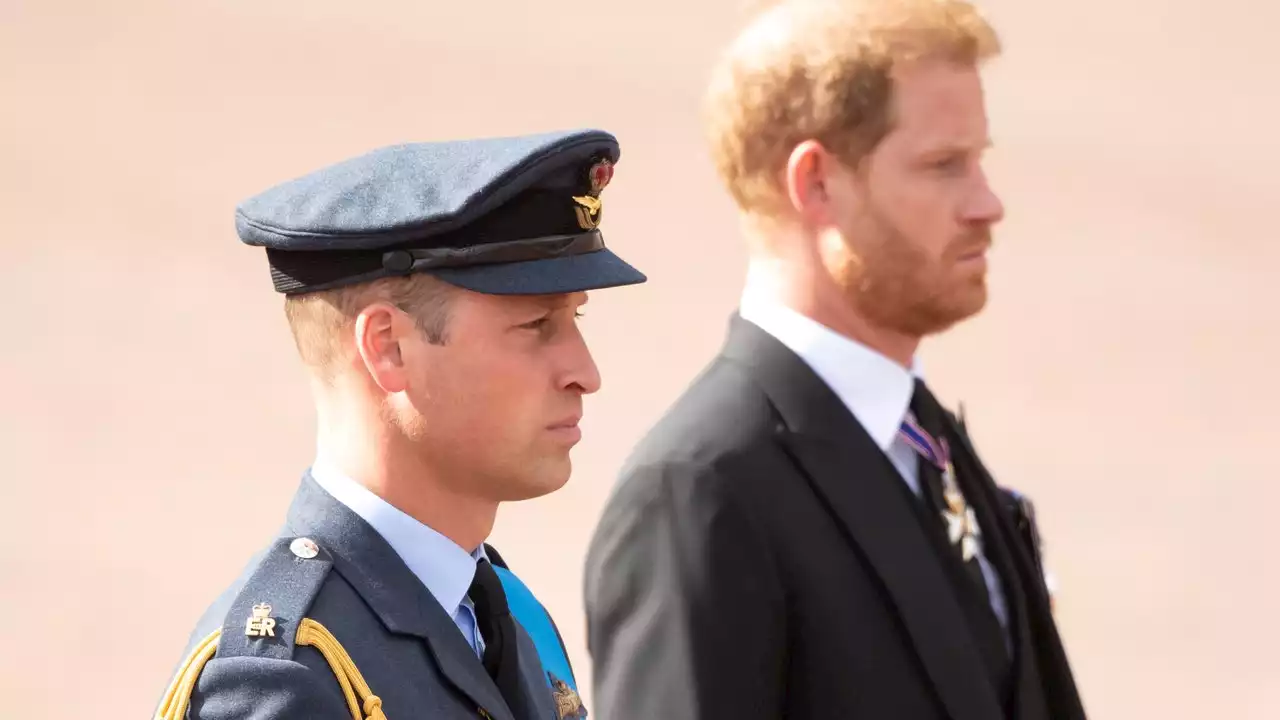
(962, 523)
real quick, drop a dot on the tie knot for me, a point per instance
(922, 429)
(486, 591)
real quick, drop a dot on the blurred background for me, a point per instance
(155, 421)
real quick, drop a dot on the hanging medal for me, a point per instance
(962, 522)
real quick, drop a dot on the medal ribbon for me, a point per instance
(923, 443)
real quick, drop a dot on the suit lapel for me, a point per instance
(857, 482)
(1000, 549)
(1039, 649)
(395, 594)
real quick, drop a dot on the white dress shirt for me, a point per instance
(440, 564)
(875, 389)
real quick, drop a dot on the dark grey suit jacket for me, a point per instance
(406, 646)
(762, 559)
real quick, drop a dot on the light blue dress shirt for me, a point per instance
(443, 567)
(876, 390)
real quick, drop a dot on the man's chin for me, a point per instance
(973, 301)
(944, 315)
(549, 476)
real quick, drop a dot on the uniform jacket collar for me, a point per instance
(400, 600)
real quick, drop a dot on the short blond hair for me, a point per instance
(822, 70)
(321, 322)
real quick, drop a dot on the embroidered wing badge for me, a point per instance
(568, 705)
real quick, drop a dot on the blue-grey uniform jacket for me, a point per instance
(330, 568)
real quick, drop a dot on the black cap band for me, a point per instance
(539, 248)
(293, 272)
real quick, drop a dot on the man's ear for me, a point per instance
(380, 329)
(807, 177)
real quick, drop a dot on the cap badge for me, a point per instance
(590, 207)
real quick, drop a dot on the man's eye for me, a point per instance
(958, 164)
(537, 324)
(579, 314)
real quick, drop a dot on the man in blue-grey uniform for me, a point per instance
(433, 291)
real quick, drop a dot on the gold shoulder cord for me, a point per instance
(361, 701)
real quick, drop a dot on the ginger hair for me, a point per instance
(823, 70)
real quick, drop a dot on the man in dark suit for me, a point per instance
(432, 290)
(807, 533)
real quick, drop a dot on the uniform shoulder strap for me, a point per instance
(534, 618)
(263, 619)
(268, 619)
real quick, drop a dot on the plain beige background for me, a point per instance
(155, 421)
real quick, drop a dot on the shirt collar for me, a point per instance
(876, 390)
(444, 567)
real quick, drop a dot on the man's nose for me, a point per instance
(581, 373)
(983, 205)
